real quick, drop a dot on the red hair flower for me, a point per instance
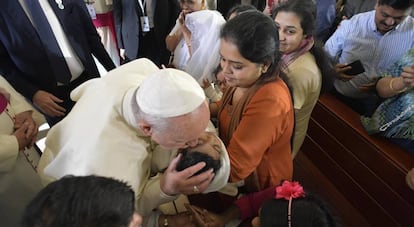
(289, 190)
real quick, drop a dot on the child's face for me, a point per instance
(209, 144)
(221, 82)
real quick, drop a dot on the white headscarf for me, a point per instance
(205, 27)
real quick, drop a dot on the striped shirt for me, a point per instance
(358, 38)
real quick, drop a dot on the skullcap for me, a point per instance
(169, 93)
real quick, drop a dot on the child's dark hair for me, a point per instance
(190, 158)
(88, 201)
(308, 211)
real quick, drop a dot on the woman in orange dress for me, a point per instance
(256, 112)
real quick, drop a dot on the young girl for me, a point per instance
(284, 205)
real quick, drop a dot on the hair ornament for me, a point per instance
(288, 191)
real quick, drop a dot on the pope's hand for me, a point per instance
(183, 182)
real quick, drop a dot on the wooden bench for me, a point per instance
(361, 176)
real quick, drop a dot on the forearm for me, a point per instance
(172, 41)
(390, 86)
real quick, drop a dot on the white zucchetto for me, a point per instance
(169, 93)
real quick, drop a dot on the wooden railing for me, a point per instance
(365, 174)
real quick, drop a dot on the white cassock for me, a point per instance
(19, 182)
(100, 136)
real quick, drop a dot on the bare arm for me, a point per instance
(391, 86)
(174, 38)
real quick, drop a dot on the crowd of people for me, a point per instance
(205, 99)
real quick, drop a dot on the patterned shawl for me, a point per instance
(394, 118)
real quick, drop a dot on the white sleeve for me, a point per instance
(152, 196)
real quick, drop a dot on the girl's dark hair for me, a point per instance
(240, 9)
(306, 211)
(306, 11)
(256, 37)
(190, 158)
(89, 201)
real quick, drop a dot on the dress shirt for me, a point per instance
(358, 38)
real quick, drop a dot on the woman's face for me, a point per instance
(192, 5)
(209, 144)
(237, 70)
(290, 31)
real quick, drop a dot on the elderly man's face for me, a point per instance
(387, 18)
(185, 130)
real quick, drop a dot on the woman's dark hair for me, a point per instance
(256, 37)
(190, 158)
(240, 9)
(306, 11)
(306, 211)
(89, 201)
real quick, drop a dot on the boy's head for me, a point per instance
(208, 150)
(83, 201)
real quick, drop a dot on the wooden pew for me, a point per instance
(362, 177)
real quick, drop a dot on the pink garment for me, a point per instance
(250, 204)
(105, 20)
(304, 47)
(4, 99)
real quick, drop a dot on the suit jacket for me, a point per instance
(23, 60)
(128, 26)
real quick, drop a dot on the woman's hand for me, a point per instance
(181, 17)
(408, 76)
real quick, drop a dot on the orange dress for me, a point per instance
(262, 140)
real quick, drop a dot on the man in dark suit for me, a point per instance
(26, 60)
(141, 27)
